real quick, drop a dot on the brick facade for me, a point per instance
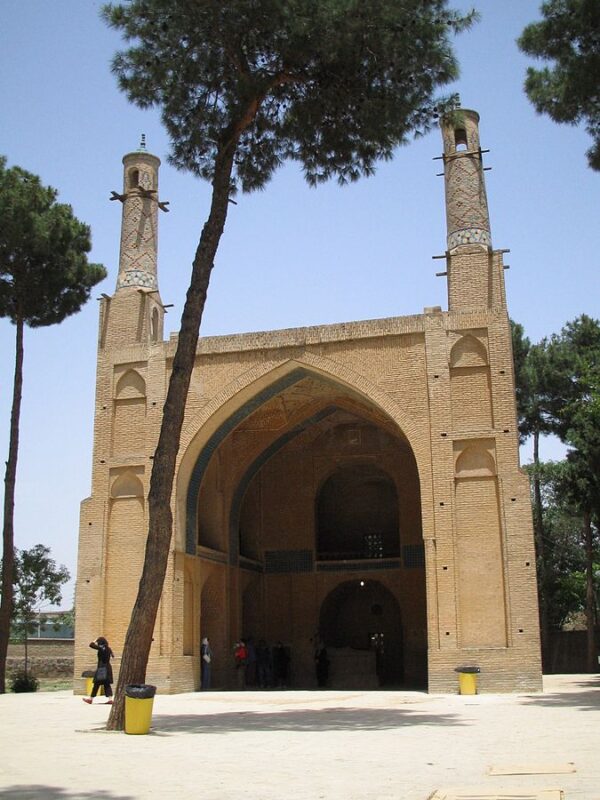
(357, 483)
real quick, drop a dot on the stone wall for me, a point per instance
(47, 658)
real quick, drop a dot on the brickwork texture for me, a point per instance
(353, 485)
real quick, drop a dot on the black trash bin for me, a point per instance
(139, 699)
(467, 679)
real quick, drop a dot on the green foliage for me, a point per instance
(568, 91)
(38, 582)
(562, 578)
(67, 618)
(558, 391)
(44, 277)
(44, 272)
(22, 681)
(534, 384)
(333, 84)
(574, 357)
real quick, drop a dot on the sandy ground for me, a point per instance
(298, 745)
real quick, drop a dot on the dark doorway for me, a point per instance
(361, 626)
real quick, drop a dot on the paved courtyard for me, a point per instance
(326, 745)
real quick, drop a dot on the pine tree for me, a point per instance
(243, 85)
(575, 361)
(45, 277)
(569, 37)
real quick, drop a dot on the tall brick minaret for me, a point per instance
(475, 271)
(135, 313)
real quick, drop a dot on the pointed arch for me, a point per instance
(475, 461)
(468, 352)
(127, 485)
(130, 385)
(286, 375)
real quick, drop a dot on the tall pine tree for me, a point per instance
(45, 276)
(568, 37)
(243, 85)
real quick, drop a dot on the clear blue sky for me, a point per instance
(291, 255)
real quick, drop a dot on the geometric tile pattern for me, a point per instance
(466, 203)
(282, 561)
(137, 277)
(469, 236)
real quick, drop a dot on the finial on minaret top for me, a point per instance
(142, 147)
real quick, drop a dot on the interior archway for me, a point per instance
(361, 625)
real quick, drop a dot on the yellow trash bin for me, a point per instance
(467, 679)
(88, 674)
(139, 699)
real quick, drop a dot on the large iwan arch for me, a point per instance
(268, 476)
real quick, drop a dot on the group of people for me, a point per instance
(260, 665)
(267, 667)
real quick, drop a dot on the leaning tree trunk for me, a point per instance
(589, 593)
(10, 480)
(141, 626)
(538, 525)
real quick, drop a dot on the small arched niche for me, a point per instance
(127, 485)
(470, 390)
(468, 352)
(475, 461)
(154, 325)
(130, 385)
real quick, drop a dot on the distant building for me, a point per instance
(356, 485)
(50, 626)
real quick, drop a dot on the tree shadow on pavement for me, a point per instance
(37, 791)
(587, 700)
(329, 719)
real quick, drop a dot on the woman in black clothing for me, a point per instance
(103, 675)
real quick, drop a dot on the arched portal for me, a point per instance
(357, 514)
(361, 625)
(308, 487)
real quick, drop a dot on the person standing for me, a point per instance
(240, 655)
(263, 665)
(281, 665)
(206, 658)
(103, 675)
(322, 665)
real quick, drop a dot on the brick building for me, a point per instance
(356, 483)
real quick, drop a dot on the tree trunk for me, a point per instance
(10, 480)
(141, 627)
(589, 592)
(538, 523)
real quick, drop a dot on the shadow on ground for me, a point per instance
(588, 700)
(329, 719)
(37, 791)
